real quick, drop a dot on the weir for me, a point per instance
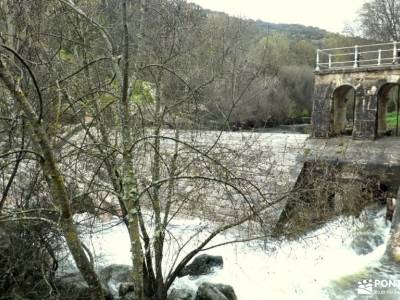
(352, 157)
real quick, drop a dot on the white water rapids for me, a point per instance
(302, 269)
(323, 264)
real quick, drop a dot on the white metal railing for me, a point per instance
(373, 55)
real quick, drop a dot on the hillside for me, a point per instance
(319, 38)
(292, 31)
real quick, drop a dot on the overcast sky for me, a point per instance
(331, 15)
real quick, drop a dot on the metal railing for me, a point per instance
(358, 56)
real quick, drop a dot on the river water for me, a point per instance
(327, 263)
(331, 262)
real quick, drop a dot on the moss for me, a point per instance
(391, 119)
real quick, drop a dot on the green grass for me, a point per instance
(391, 119)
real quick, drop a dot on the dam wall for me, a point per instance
(341, 176)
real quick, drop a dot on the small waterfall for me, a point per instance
(330, 262)
(327, 263)
(313, 267)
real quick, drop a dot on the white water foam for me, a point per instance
(300, 269)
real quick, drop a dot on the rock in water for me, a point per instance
(227, 290)
(210, 291)
(113, 276)
(76, 287)
(125, 288)
(202, 265)
(180, 294)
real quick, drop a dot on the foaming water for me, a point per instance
(326, 263)
(301, 269)
(323, 264)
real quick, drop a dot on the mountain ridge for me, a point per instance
(292, 30)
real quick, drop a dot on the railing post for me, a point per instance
(330, 61)
(317, 68)
(394, 52)
(355, 56)
(379, 57)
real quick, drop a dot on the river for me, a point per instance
(326, 263)
(335, 261)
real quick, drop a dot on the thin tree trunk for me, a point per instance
(130, 195)
(129, 186)
(159, 233)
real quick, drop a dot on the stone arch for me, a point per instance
(384, 102)
(343, 110)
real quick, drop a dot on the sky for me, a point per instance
(325, 14)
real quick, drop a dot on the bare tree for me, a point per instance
(380, 20)
(122, 85)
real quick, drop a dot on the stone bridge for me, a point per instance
(353, 95)
(344, 168)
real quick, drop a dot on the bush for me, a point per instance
(27, 261)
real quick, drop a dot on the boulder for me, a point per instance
(227, 290)
(73, 285)
(202, 265)
(128, 296)
(116, 278)
(210, 291)
(125, 288)
(180, 294)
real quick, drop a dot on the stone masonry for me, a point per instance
(371, 87)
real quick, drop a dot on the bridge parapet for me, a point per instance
(352, 95)
(373, 55)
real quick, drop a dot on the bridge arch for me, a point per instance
(343, 110)
(375, 71)
(387, 103)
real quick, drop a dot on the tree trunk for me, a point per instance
(130, 194)
(159, 230)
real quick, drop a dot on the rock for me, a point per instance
(115, 280)
(210, 291)
(180, 294)
(128, 296)
(202, 265)
(75, 287)
(74, 284)
(113, 276)
(227, 290)
(125, 288)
